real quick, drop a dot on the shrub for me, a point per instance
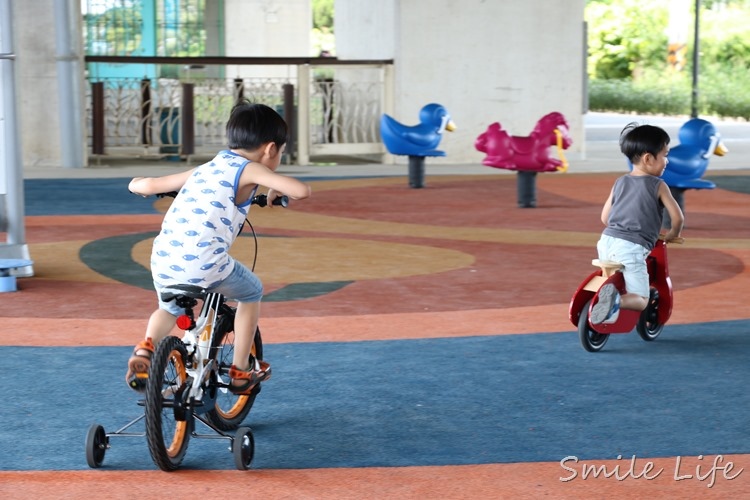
(628, 68)
(625, 95)
(725, 95)
(720, 93)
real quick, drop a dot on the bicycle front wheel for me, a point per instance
(230, 410)
(167, 418)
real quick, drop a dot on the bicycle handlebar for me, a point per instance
(259, 199)
(171, 194)
(262, 200)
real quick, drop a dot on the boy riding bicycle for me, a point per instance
(199, 228)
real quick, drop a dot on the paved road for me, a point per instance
(607, 126)
(603, 131)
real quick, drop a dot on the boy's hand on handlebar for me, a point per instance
(132, 187)
(276, 198)
(667, 238)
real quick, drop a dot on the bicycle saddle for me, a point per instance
(169, 293)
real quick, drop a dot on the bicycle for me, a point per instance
(188, 381)
(648, 323)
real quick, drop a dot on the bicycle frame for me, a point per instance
(199, 341)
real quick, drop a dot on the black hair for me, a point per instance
(637, 140)
(251, 125)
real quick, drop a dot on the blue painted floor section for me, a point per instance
(487, 399)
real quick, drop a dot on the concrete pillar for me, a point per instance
(280, 28)
(70, 82)
(37, 94)
(485, 61)
(11, 168)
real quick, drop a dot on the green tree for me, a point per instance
(116, 31)
(624, 37)
(628, 66)
(323, 14)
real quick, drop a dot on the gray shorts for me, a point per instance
(632, 256)
(241, 285)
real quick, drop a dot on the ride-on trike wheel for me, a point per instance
(648, 326)
(168, 420)
(591, 340)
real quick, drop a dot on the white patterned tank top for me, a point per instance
(201, 225)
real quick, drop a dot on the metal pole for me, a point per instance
(288, 95)
(146, 112)
(239, 89)
(303, 114)
(68, 86)
(389, 104)
(11, 166)
(188, 120)
(696, 53)
(97, 118)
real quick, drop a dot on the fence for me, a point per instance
(333, 107)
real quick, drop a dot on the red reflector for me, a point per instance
(183, 322)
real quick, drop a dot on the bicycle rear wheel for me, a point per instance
(230, 409)
(168, 421)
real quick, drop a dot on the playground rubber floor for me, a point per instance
(420, 344)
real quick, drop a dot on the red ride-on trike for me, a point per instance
(648, 323)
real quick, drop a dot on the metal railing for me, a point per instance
(333, 107)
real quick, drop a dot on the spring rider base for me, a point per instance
(526, 188)
(416, 171)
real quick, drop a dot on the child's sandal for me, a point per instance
(138, 366)
(243, 381)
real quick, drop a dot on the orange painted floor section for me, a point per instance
(718, 477)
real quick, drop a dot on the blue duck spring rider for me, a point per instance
(688, 161)
(417, 141)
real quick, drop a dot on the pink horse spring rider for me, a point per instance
(527, 155)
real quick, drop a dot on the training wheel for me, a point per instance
(243, 448)
(96, 445)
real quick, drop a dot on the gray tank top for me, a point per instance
(636, 213)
